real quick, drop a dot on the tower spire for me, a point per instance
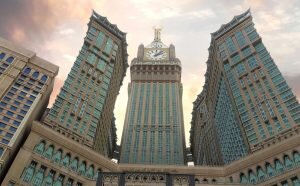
(157, 33)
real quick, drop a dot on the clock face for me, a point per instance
(156, 54)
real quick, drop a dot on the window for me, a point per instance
(10, 59)
(5, 141)
(240, 38)
(100, 39)
(252, 62)
(108, 46)
(9, 113)
(101, 65)
(17, 123)
(8, 135)
(230, 45)
(2, 55)
(12, 129)
(2, 125)
(27, 70)
(35, 74)
(240, 68)
(44, 78)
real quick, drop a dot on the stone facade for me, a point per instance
(26, 82)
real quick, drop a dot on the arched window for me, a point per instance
(44, 78)
(59, 181)
(49, 152)
(74, 164)
(270, 169)
(90, 172)
(28, 172)
(287, 161)
(27, 70)
(260, 173)
(197, 180)
(252, 177)
(278, 165)
(213, 181)
(10, 59)
(2, 55)
(98, 173)
(69, 182)
(243, 178)
(49, 179)
(38, 177)
(57, 156)
(39, 148)
(36, 74)
(296, 157)
(81, 169)
(65, 162)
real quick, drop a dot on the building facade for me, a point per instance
(26, 82)
(83, 110)
(153, 130)
(249, 104)
(81, 122)
(51, 157)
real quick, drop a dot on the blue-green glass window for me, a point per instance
(81, 169)
(49, 152)
(49, 179)
(37, 180)
(243, 178)
(252, 62)
(252, 177)
(259, 47)
(101, 65)
(39, 148)
(287, 162)
(260, 173)
(59, 181)
(270, 169)
(235, 59)
(100, 39)
(57, 156)
(74, 164)
(66, 160)
(296, 157)
(240, 68)
(246, 51)
(278, 165)
(91, 58)
(90, 172)
(253, 35)
(28, 172)
(108, 46)
(230, 45)
(240, 38)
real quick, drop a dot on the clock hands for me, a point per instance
(160, 52)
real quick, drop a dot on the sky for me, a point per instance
(55, 31)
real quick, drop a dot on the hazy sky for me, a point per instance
(55, 31)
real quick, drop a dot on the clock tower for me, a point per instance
(153, 131)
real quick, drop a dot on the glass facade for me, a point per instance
(84, 106)
(153, 127)
(265, 103)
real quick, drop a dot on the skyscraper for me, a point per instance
(83, 110)
(248, 104)
(26, 82)
(70, 144)
(153, 130)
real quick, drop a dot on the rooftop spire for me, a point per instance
(157, 33)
